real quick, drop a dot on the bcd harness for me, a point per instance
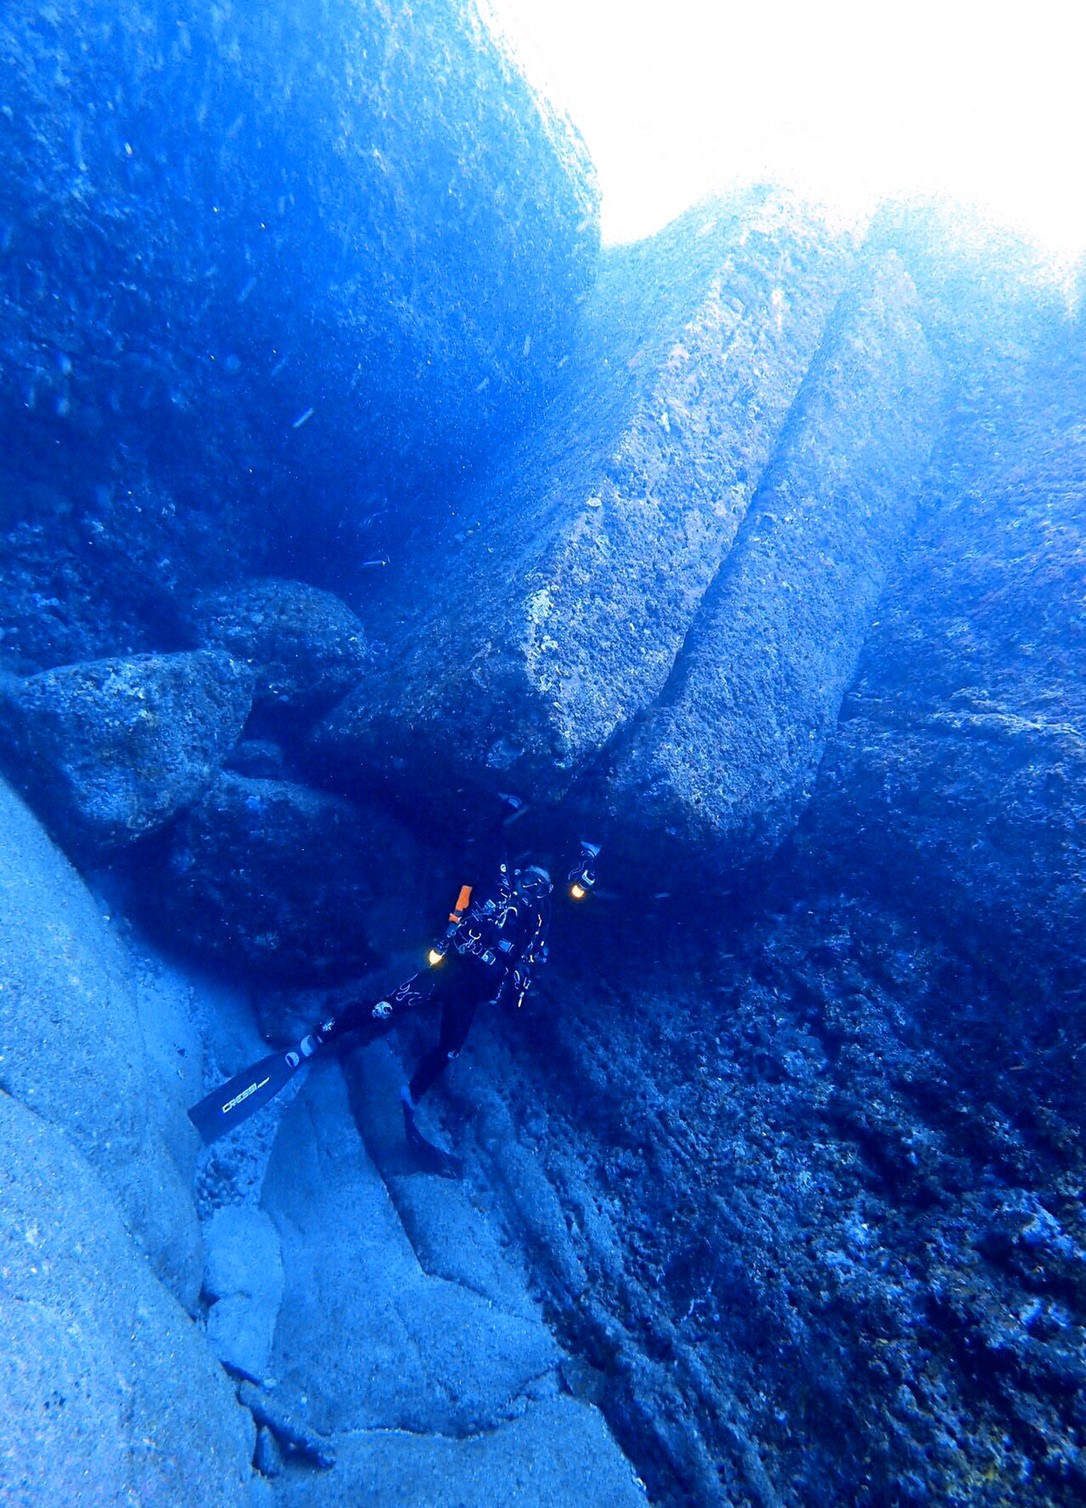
(475, 926)
(476, 930)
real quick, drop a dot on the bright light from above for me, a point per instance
(849, 101)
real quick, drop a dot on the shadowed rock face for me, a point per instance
(959, 766)
(305, 647)
(276, 879)
(268, 275)
(532, 628)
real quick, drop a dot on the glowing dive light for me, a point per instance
(582, 876)
(437, 953)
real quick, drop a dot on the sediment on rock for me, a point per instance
(529, 629)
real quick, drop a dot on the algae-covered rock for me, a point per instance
(304, 646)
(108, 1392)
(549, 612)
(109, 750)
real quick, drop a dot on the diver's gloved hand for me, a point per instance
(433, 1159)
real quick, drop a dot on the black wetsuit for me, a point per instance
(487, 957)
(490, 959)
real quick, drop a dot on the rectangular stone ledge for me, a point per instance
(537, 623)
(727, 760)
(558, 1454)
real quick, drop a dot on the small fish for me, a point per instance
(302, 419)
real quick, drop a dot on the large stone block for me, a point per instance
(726, 760)
(275, 879)
(306, 647)
(71, 1048)
(108, 1392)
(526, 633)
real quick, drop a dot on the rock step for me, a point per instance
(557, 1455)
(413, 1376)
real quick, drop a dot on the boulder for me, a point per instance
(71, 1048)
(110, 750)
(108, 1392)
(526, 633)
(304, 646)
(288, 883)
(725, 761)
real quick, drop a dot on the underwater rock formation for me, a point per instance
(243, 1282)
(959, 765)
(529, 630)
(305, 647)
(107, 1390)
(726, 759)
(273, 877)
(71, 1043)
(428, 1385)
(776, 1179)
(267, 275)
(110, 750)
(827, 1211)
(104, 1380)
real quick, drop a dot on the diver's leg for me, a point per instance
(456, 1018)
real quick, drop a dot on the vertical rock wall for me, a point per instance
(726, 759)
(959, 767)
(109, 1392)
(266, 277)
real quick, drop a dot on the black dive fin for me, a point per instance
(237, 1099)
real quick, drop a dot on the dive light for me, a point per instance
(436, 955)
(582, 876)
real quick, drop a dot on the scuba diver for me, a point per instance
(495, 938)
(493, 941)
